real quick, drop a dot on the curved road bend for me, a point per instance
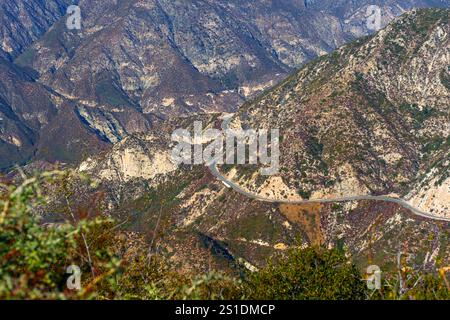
(215, 171)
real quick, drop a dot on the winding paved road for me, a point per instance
(215, 171)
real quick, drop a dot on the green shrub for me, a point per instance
(34, 257)
(309, 274)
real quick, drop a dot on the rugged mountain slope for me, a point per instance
(33, 118)
(136, 62)
(203, 224)
(24, 21)
(362, 120)
(177, 57)
(16, 138)
(35, 122)
(371, 118)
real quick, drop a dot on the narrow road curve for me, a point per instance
(215, 171)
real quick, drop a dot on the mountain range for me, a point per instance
(137, 63)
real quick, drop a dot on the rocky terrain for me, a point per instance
(362, 120)
(36, 122)
(22, 22)
(135, 63)
(371, 118)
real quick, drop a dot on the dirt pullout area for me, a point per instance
(308, 217)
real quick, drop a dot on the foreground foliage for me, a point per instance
(34, 256)
(313, 273)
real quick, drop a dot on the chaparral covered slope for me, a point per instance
(371, 118)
